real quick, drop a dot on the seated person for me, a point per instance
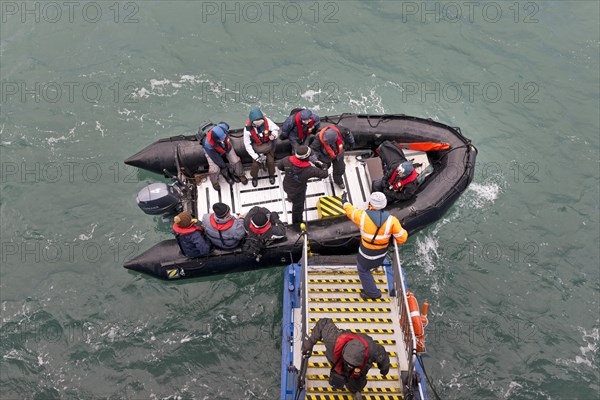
(399, 180)
(190, 236)
(218, 148)
(299, 127)
(259, 139)
(263, 227)
(223, 229)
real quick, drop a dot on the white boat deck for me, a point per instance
(242, 198)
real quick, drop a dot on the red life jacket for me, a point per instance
(300, 127)
(265, 134)
(223, 226)
(184, 231)
(339, 347)
(299, 163)
(338, 142)
(260, 231)
(400, 183)
(216, 145)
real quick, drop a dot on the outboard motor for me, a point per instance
(160, 198)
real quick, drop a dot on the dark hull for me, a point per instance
(453, 171)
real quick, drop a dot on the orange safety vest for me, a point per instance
(300, 127)
(368, 229)
(265, 134)
(217, 146)
(339, 142)
(221, 227)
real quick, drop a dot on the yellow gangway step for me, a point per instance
(357, 320)
(340, 281)
(339, 290)
(320, 377)
(321, 353)
(349, 396)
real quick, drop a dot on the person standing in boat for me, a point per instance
(298, 170)
(262, 228)
(217, 146)
(299, 126)
(224, 230)
(377, 226)
(260, 133)
(328, 149)
(399, 180)
(189, 236)
(351, 355)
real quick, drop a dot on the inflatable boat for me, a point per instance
(444, 158)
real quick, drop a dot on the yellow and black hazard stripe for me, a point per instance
(368, 331)
(357, 320)
(341, 396)
(330, 206)
(329, 389)
(347, 300)
(319, 377)
(343, 272)
(321, 353)
(328, 365)
(338, 290)
(379, 341)
(348, 310)
(341, 281)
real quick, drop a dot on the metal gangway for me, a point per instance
(318, 287)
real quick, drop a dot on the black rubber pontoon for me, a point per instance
(453, 170)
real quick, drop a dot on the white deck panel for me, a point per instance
(242, 198)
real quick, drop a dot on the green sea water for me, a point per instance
(511, 272)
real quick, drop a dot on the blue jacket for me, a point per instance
(219, 132)
(289, 130)
(191, 241)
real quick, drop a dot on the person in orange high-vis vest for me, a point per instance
(377, 226)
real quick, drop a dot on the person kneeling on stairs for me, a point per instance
(351, 355)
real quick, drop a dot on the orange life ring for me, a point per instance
(418, 320)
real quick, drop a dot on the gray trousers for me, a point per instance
(214, 170)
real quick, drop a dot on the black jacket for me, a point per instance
(255, 243)
(297, 176)
(392, 156)
(328, 332)
(277, 229)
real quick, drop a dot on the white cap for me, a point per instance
(378, 200)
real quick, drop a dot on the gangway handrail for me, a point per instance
(304, 322)
(408, 331)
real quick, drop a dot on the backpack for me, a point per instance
(203, 130)
(253, 246)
